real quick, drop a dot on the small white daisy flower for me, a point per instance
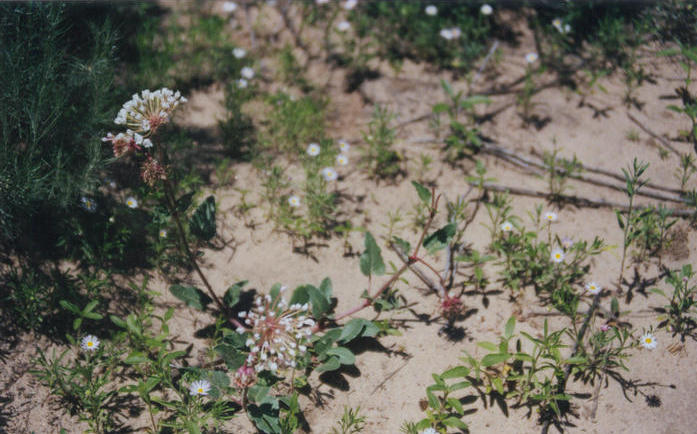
(313, 149)
(88, 204)
(557, 24)
(550, 216)
(89, 343)
(329, 174)
(163, 233)
(344, 146)
(342, 160)
(132, 202)
(456, 32)
(431, 10)
(567, 243)
(531, 57)
(486, 9)
(247, 73)
(446, 34)
(648, 341)
(294, 201)
(239, 52)
(593, 288)
(567, 28)
(557, 255)
(242, 83)
(229, 7)
(200, 387)
(506, 226)
(350, 4)
(429, 431)
(343, 26)
(112, 219)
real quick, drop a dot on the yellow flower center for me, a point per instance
(648, 340)
(200, 390)
(90, 343)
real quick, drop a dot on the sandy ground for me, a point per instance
(390, 379)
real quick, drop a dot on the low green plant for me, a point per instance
(679, 316)
(686, 170)
(351, 422)
(529, 88)
(634, 181)
(559, 171)
(379, 157)
(688, 60)
(464, 136)
(293, 122)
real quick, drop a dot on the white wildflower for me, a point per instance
(329, 174)
(350, 4)
(239, 52)
(648, 341)
(531, 57)
(313, 149)
(342, 160)
(294, 201)
(593, 288)
(506, 226)
(200, 387)
(247, 72)
(557, 256)
(89, 343)
(550, 216)
(343, 26)
(229, 7)
(431, 10)
(486, 9)
(132, 202)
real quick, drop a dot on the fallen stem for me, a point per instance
(580, 201)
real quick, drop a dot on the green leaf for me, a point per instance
(118, 321)
(493, 359)
(136, 358)
(371, 260)
(657, 291)
(440, 238)
(345, 355)
(232, 295)
(488, 346)
(423, 192)
(351, 330)
(232, 357)
(575, 360)
(258, 392)
(620, 222)
(458, 371)
(202, 223)
(615, 307)
(510, 326)
(332, 364)
(326, 288)
(454, 422)
(69, 306)
(193, 297)
(219, 379)
(184, 202)
(403, 245)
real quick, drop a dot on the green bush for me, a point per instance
(56, 80)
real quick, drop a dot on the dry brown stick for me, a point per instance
(419, 273)
(619, 177)
(499, 151)
(581, 201)
(663, 141)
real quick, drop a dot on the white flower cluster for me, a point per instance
(279, 333)
(143, 113)
(560, 26)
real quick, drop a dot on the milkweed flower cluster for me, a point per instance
(200, 387)
(89, 343)
(142, 115)
(279, 333)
